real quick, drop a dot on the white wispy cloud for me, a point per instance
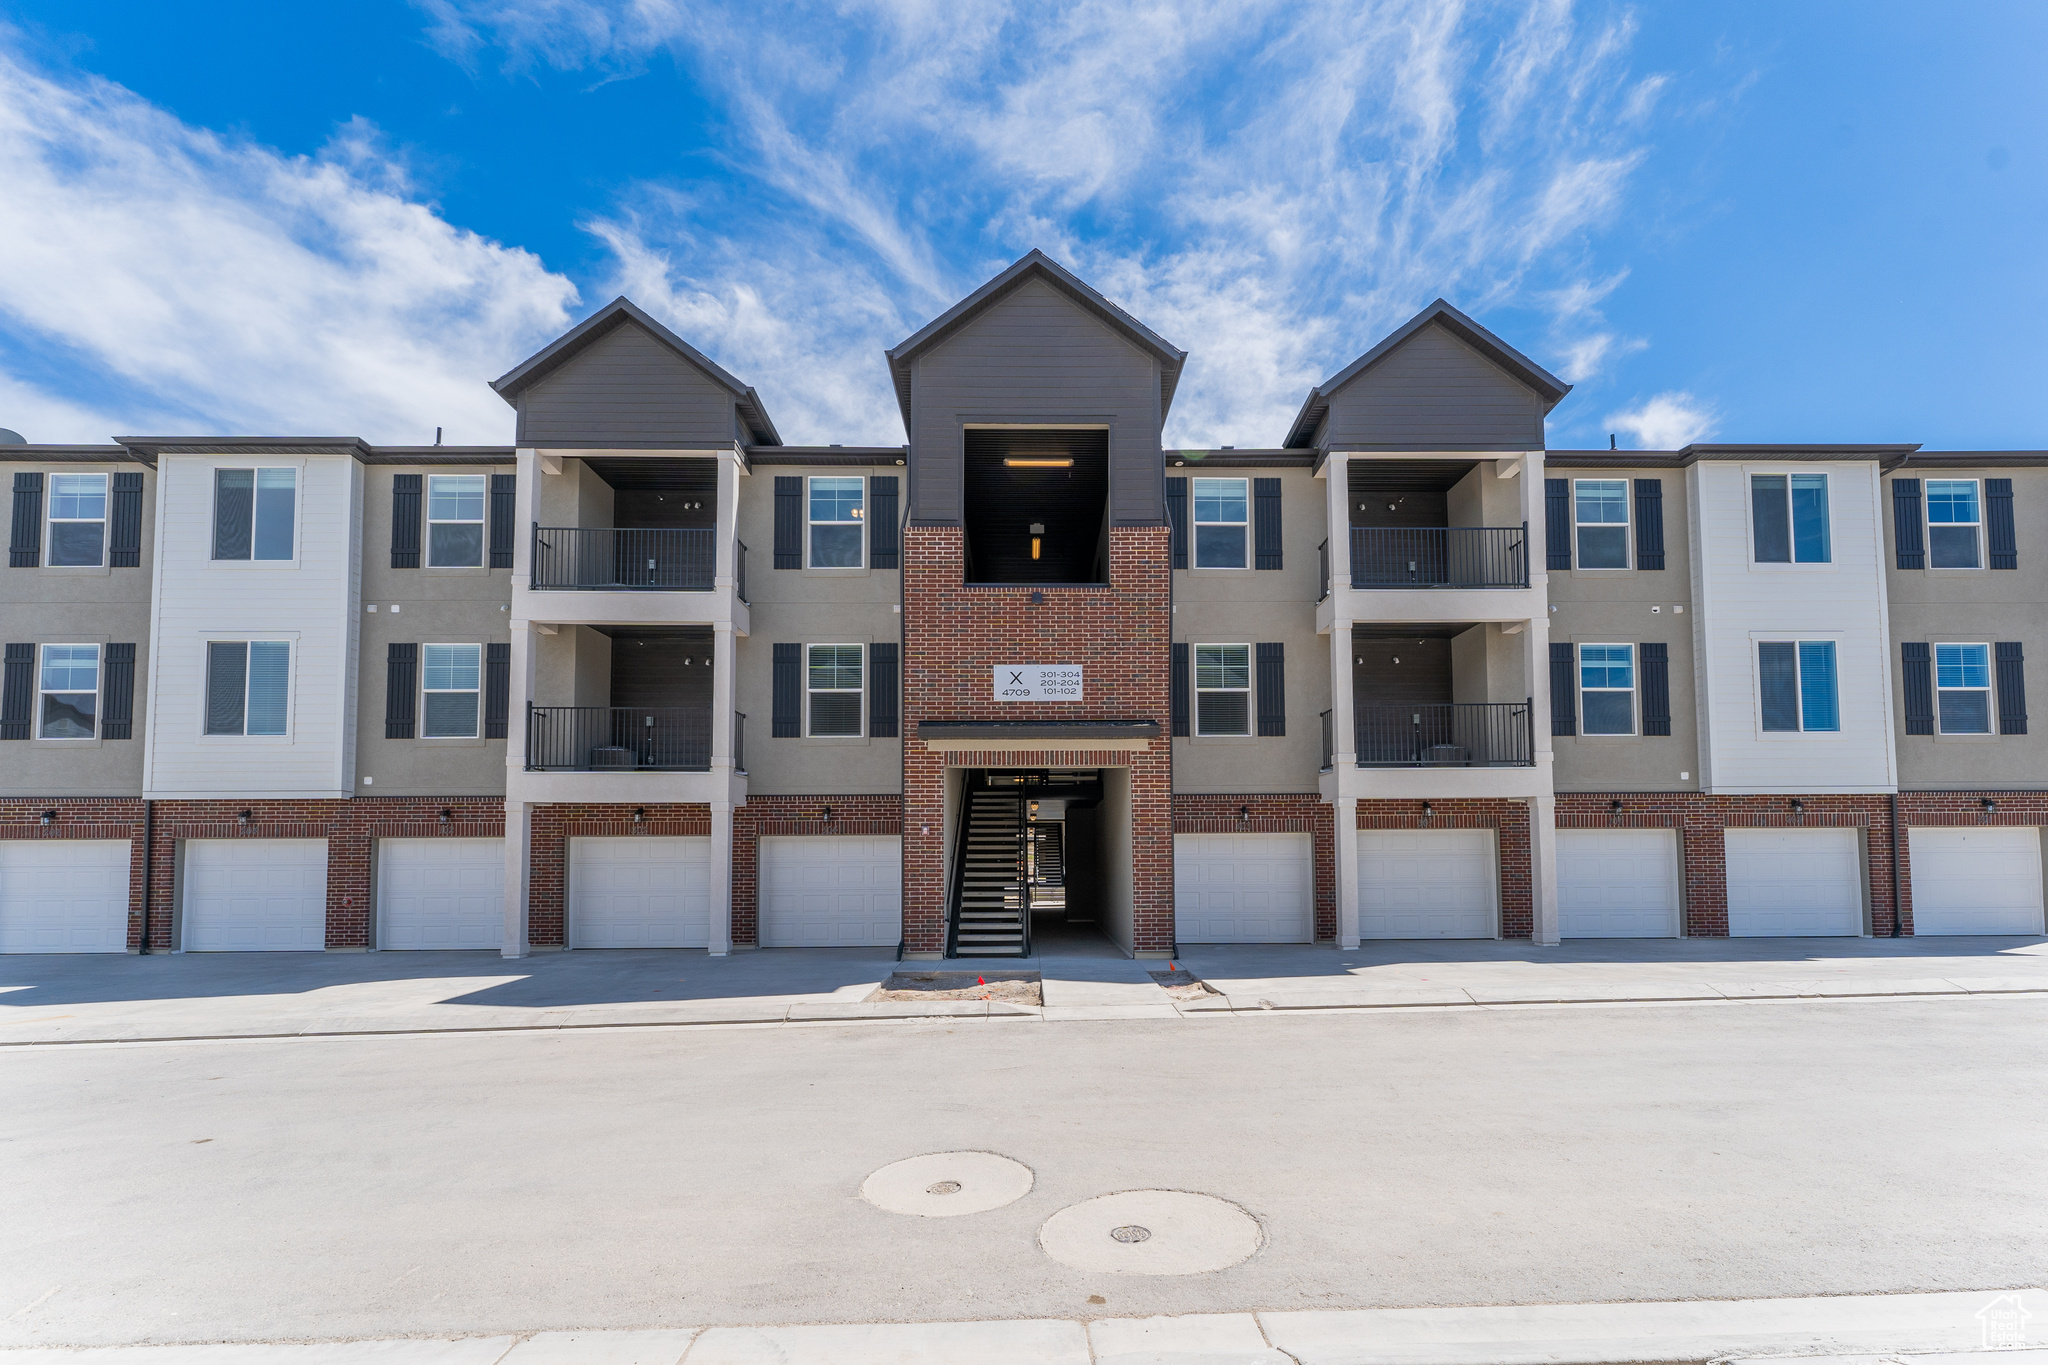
(158, 277)
(1666, 421)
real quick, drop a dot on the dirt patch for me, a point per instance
(1183, 985)
(1014, 988)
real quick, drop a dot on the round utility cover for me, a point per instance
(1184, 1234)
(947, 1184)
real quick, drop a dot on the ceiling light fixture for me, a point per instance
(1012, 462)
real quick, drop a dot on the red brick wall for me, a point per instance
(555, 824)
(954, 635)
(1508, 819)
(1286, 813)
(775, 815)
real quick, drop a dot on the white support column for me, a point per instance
(1347, 873)
(1543, 870)
(721, 878)
(721, 697)
(1343, 742)
(728, 508)
(518, 874)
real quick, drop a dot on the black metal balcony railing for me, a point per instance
(1443, 735)
(1329, 739)
(591, 739)
(739, 741)
(1323, 583)
(739, 570)
(613, 559)
(1440, 557)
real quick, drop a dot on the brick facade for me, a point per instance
(778, 815)
(1273, 813)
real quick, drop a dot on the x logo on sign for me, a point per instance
(1017, 678)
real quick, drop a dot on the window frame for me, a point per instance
(1633, 690)
(481, 521)
(256, 472)
(99, 687)
(1798, 643)
(1626, 524)
(290, 640)
(1978, 547)
(1195, 524)
(858, 521)
(1750, 475)
(1196, 688)
(477, 725)
(860, 691)
(51, 520)
(1989, 689)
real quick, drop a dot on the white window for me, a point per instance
(834, 686)
(253, 513)
(1221, 507)
(248, 683)
(78, 520)
(1962, 688)
(838, 513)
(455, 519)
(1796, 685)
(1223, 688)
(1607, 689)
(1602, 522)
(1789, 518)
(1954, 520)
(70, 688)
(450, 678)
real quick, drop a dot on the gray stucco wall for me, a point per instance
(1615, 606)
(626, 389)
(1434, 392)
(1253, 606)
(1035, 357)
(80, 606)
(433, 606)
(1972, 606)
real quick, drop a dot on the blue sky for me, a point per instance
(1743, 221)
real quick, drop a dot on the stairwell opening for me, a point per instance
(1036, 856)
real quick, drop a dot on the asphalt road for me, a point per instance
(452, 1183)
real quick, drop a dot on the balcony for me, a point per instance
(1440, 557)
(1443, 735)
(591, 739)
(616, 559)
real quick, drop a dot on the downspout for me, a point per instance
(148, 857)
(1897, 914)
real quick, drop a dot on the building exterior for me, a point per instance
(649, 677)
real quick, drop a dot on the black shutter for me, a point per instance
(1564, 692)
(17, 693)
(787, 722)
(1919, 678)
(1650, 524)
(401, 668)
(502, 488)
(1998, 522)
(1177, 519)
(1557, 527)
(1177, 689)
(1272, 688)
(2012, 688)
(124, 538)
(1266, 524)
(883, 533)
(1906, 518)
(497, 690)
(25, 549)
(405, 521)
(117, 703)
(1656, 663)
(789, 527)
(882, 689)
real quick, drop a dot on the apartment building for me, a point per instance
(650, 677)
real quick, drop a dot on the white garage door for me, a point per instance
(1426, 883)
(1981, 880)
(648, 891)
(440, 893)
(255, 895)
(1794, 882)
(1617, 883)
(1243, 888)
(832, 891)
(63, 895)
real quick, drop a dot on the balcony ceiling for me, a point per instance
(1413, 630)
(1408, 476)
(665, 475)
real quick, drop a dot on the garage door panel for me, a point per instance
(1794, 882)
(831, 891)
(1981, 879)
(441, 893)
(254, 895)
(1617, 883)
(1244, 888)
(647, 891)
(64, 895)
(1427, 883)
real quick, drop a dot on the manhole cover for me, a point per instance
(947, 1184)
(1151, 1232)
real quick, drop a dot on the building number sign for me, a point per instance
(1038, 682)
